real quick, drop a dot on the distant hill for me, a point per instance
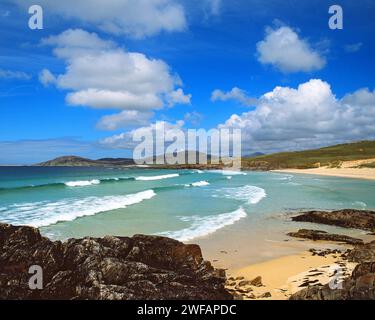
(328, 156)
(212, 162)
(255, 154)
(73, 161)
(183, 154)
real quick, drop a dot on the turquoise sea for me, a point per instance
(217, 209)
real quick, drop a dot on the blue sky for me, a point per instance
(207, 63)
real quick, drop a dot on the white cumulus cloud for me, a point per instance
(235, 94)
(125, 140)
(286, 51)
(306, 117)
(99, 74)
(46, 77)
(102, 75)
(136, 18)
(178, 97)
(126, 118)
(194, 117)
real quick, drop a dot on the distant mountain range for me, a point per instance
(328, 156)
(255, 154)
(73, 161)
(187, 155)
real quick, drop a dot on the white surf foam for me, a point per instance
(360, 204)
(198, 184)
(250, 194)
(111, 179)
(229, 172)
(41, 214)
(152, 178)
(203, 226)
(197, 171)
(281, 176)
(84, 183)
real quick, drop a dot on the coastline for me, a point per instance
(353, 173)
(258, 247)
(294, 265)
(282, 277)
(321, 263)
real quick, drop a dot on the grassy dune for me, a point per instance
(328, 156)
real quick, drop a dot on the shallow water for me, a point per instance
(245, 213)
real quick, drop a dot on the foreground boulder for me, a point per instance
(359, 286)
(322, 235)
(116, 268)
(363, 253)
(348, 218)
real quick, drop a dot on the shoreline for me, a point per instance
(320, 263)
(281, 277)
(352, 173)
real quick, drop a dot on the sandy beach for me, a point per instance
(282, 277)
(355, 173)
(346, 169)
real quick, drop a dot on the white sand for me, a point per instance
(356, 173)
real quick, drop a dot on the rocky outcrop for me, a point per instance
(363, 253)
(118, 268)
(348, 218)
(322, 235)
(359, 286)
(361, 283)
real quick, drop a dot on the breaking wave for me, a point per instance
(153, 178)
(78, 183)
(45, 213)
(360, 204)
(203, 226)
(82, 183)
(229, 172)
(249, 194)
(198, 184)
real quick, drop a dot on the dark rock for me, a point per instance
(348, 218)
(257, 282)
(244, 283)
(360, 285)
(322, 235)
(265, 295)
(363, 253)
(237, 296)
(116, 268)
